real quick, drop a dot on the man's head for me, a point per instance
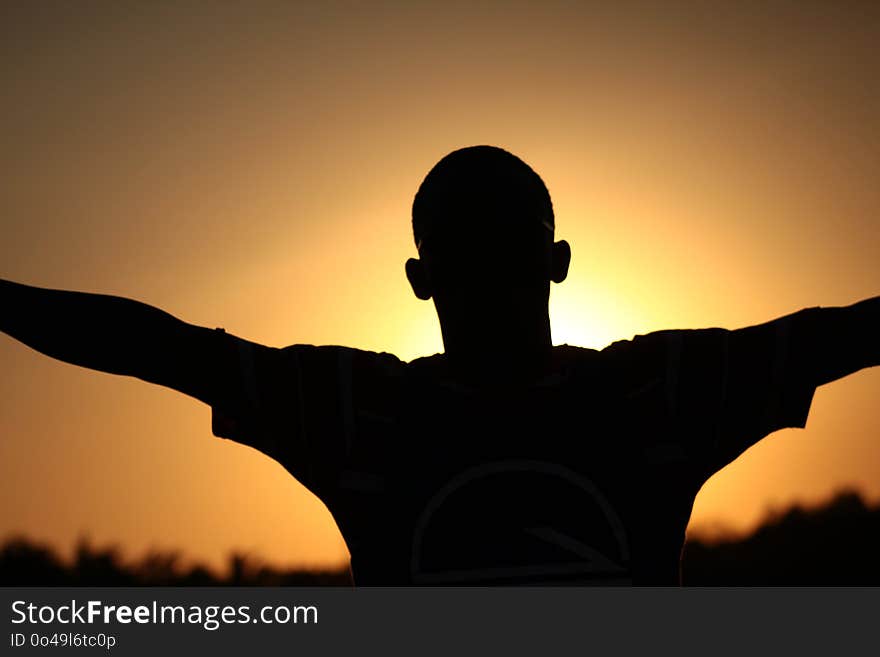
(483, 224)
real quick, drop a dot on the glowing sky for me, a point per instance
(252, 166)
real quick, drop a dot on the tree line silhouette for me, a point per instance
(835, 543)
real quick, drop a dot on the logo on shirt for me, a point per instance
(518, 522)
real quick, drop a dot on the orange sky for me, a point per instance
(254, 168)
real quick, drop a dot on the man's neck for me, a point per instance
(502, 358)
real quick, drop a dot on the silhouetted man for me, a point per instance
(504, 460)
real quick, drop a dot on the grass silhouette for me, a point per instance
(835, 543)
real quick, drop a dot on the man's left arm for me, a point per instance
(833, 342)
(727, 389)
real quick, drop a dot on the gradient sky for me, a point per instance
(253, 165)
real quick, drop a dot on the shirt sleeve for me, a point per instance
(298, 404)
(724, 390)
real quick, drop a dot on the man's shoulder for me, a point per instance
(640, 340)
(386, 363)
(426, 361)
(433, 366)
(574, 351)
(332, 361)
(340, 351)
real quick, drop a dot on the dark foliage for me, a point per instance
(23, 563)
(834, 544)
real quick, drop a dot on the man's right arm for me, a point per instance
(121, 336)
(296, 404)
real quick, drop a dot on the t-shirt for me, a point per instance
(585, 476)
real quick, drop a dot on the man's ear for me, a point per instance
(560, 262)
(418, 278)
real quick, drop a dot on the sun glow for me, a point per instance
(585, 316)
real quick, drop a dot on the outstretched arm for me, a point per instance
(120, 336)
(721, 390)
(833, 342)
(294, 404)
